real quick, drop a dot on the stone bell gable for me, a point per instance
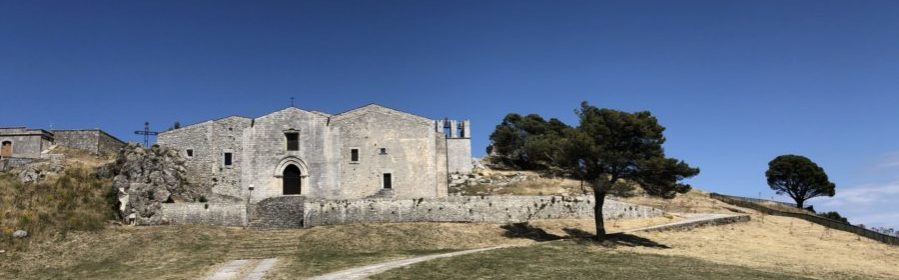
(371, 151)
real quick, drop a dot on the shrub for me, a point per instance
(835, 216)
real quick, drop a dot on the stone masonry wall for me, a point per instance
(108, 144)
(410, 153)
(77, 139)
(208, 142)
(204, 214)
(92, 140)
(459, 155)
(298, 212)
(477, 209)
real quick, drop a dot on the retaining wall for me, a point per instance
(204, 214)
(830, 223)
(476, 209)
(299, 212)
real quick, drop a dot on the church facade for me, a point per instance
(371, 151)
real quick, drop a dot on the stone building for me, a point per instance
(371, 151)
(22, 142)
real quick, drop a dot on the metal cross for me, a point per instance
(146, 133)
(291, 101)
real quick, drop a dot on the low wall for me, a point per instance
(11, 162)
(204, 214)
(830, 223)
(298, 212)
(757, 200)
(476, 209)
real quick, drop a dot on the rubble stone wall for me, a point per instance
(204, 214)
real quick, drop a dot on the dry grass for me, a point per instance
(80, 157)
(694, 201)
(74, 200)
(783, 244)
(574, 260)
(190, 252)
(534, 185)
(184, 252)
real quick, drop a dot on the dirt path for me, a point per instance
(241, 269)
(693, 220)
(365, 271)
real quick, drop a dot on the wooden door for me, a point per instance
(6, 149)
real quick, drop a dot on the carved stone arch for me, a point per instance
(288, 165)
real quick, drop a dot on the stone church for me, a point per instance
(371, 151)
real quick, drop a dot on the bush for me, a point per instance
(834, 215)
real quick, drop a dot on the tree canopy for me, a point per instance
(527, 141)
(798, 177)
(606, 146)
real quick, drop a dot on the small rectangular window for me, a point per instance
(383, 151)
(388, 183)
(293, 141)
(190, 153)
(354, 155)
(227, 159)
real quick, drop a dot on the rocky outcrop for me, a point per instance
(146, 178)
(38, 171)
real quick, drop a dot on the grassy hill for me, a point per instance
(73, 199)
(68, 216)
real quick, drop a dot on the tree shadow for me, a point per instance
(614, 240)
(525, 230)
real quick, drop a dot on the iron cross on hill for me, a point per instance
(146, 133)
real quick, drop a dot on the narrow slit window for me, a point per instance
(354, 155)
(228, 159)
(293, 141)
(388, 182)
(190, 153)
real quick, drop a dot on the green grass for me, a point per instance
(571, 260)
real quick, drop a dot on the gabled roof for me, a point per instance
(354, 113)
(208, 121)
(376, 108)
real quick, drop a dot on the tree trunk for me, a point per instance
(799, 203)
(599, 195)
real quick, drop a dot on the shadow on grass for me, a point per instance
(630, 240)
(525, 230)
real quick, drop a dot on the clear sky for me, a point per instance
(735, 82)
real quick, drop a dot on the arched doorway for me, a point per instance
(291, 180)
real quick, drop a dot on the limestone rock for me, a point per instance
(20, 234)
(35, 172)
(29, 175)
(146, 178)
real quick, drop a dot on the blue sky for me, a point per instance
(735, 82)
